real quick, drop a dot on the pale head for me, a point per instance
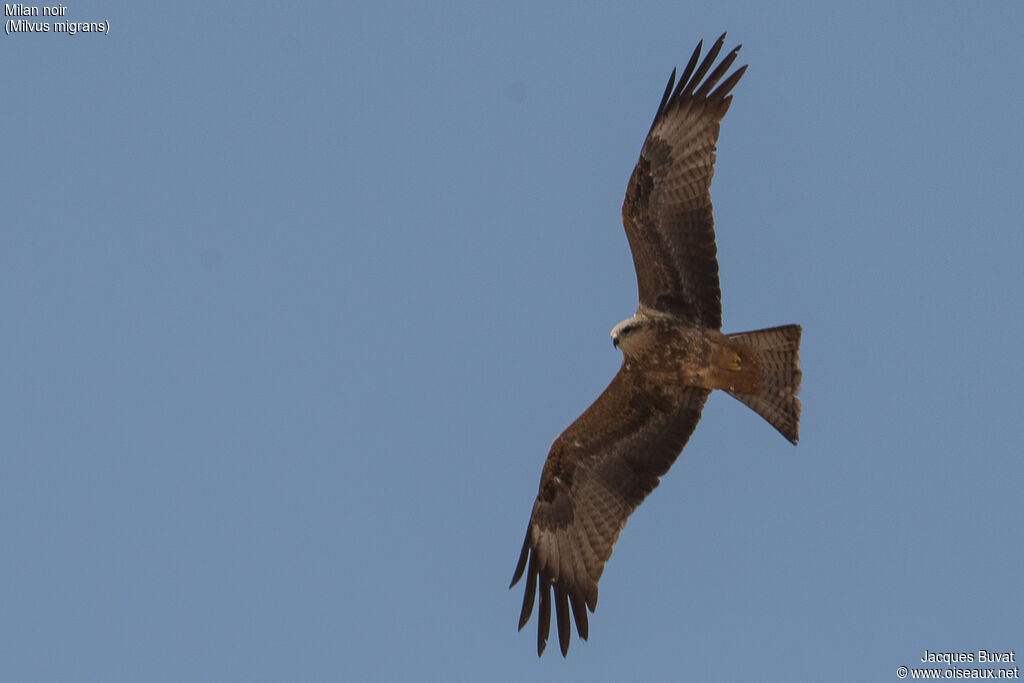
(626, 332)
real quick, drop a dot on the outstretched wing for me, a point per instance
(598, 471)
(667, 210)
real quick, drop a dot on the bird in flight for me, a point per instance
(674, 353)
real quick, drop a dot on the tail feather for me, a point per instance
(777, 350)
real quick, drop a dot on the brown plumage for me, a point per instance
(674, 353)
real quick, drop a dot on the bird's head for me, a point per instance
(624, 332)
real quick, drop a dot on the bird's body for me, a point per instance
(674, 354)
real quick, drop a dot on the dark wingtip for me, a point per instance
(705, 66)
(729, 83)
(668, 90)
(520, 565)
(562, 614)
(529, 594)
(579, 613)
(664, 101)
(690, 66)
(544, 618)
(689, 83)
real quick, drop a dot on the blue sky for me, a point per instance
(294, 302)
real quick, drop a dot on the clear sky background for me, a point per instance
(294, 299)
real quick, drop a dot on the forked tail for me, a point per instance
(777, 350)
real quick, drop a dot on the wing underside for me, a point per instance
(598, 471)
(667, 210)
